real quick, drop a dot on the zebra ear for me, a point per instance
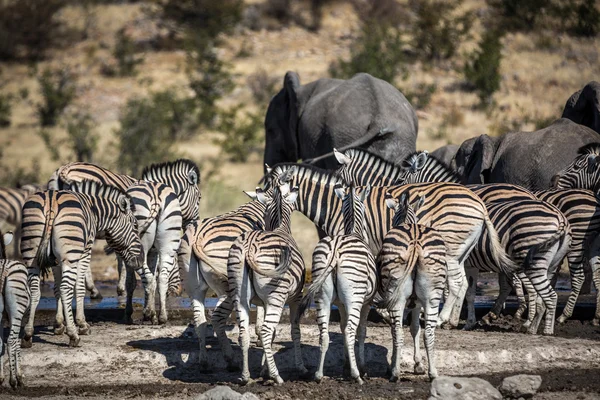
(420, 161)
(268, 169)
(341, 157)
(262, 196)
(292, 196)
(7, 238)
(391, 203)
(339, 192)
(365, 193)
(193, 178)
(287, 175)
(250, 194)
(124, 203)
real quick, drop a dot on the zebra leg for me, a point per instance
(397, 313)
(323, 302)
(242, 299)
(431, 311)
(59, 321)
(151, 273)
(537, 273)
(33, 281)
(272, 317)
(131, 283)
(518, 286)
(472, 274)
(219, 319)
(84, 264)
(362, 336)
(71, 274)
(16, 308)
(350, 338)
(91, 287)
(596, 279)
(2, 351)
(415, 331)
(504, 291)
(296, 336)
(197, 296)
(260, 319)
(122, 276)
(532, 300)
(456, 282)
(343, 323)
(577, 278)
(165, 267)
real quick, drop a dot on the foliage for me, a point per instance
(5, 109)
(482, 70)
(377, 51)
(585, 17)
(28, 27)
(80, 140)
(262, 86)
(437, 31)
(420, 97)
(387, 12)
(241, 135)
(125, 54)
(520, 14)
(149, 128)
(58, 91)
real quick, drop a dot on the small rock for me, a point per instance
(249, 396)
(520, 386)
(220, 393)
(455, 388)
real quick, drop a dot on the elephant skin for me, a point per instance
(445, 153)
(307, 121)
(527, 159)
(583, 106)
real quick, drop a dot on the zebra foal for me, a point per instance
(412, 268)
(59, 229)
(266, 267)
(343, 273)
(14, 300)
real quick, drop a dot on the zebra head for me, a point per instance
(279, 205)
(420, 167)
(353, 209)
(124, 233)
(583, 172)
(404, 212)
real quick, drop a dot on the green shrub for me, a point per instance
(125, 54)
(28, 27)
(58, 91)
(520, 14)
(377, 51)
(437, 31)
(5, 109)
(482, 70)
(420, 97)
(81, 139)
(241, 135)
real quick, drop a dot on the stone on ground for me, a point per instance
(517, 386)
(225, 393)
(456, 388)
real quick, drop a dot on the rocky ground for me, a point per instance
(141, 361)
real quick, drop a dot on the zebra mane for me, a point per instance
(93, 188)
(411, 158)
(590, 148)
(362, 154)
(172, 165)
(316, 174)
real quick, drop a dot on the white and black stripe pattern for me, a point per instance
(183, 176)
(59, 229)
(267, 266)
(14, 300)
(583, 172)
(412, 270)
(343, 273)
(158, 212)
(11, 204)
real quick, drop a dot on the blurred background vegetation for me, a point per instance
(127, 83)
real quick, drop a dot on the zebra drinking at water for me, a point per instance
(412, 268)
(343, 273)
(14, 299)
(267, 267)
(59, 229)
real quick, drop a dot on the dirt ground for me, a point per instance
(141, 361)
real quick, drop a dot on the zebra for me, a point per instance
(343, 268)
(159, 214)
(59, 229)
(266, 266)
(11, 204)
(583, 172)
(456, 212)
(14, 299)
(412, 267)
(183, 176)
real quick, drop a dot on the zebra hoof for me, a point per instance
(59, 330)
(358, 380)
(596, 322)
(13, 382)
(394, 378)
(548, 332)
(278, 380)
(26, 343)
(74, 342)
(96, 296)
(244, 380)
(120, 291)
(85, 330)
(419, 370)
(162, 320)
(561, 320)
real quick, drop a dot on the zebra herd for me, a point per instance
(397, 237)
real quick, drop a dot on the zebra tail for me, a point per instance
(394, 288)
(501, 258)
(317, 284)
(206, 260)
(43, 256)
(555, 237)
(154, 212)
(284, 263)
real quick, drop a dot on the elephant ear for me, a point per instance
(291, 84)
(480, 162)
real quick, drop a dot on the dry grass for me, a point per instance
(536, 81)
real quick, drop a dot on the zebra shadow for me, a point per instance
(181, 355)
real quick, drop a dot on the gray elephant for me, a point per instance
(527, 159)
(445, 153)
(305, 122)
(583, 106)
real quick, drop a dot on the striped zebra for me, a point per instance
(159, 216)
(412, 270)
(343, 273)
(583, 172)
(11, 204)
(59, 229)
(267, 267)
(359, 165)
(456, 212)
(14, 299)
(183, 176)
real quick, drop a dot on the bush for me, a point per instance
(421, 96)
(28, 27)
(125, 54)
(81, 139)
(587, 18)
(520, 14)
(482, 70)
(149, 129)
(5, 109)
(262, 86)
(437, 31)
(241, 136)
(387, 12)
(58, 91)
(377, 51)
